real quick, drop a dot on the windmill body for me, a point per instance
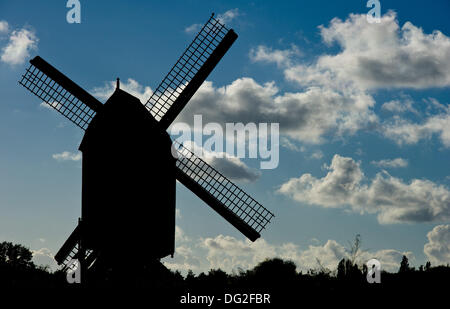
(130, 164)
(128, 181)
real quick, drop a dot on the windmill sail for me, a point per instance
(236, 206)
(58, 91)
(70, 251)
(189, 72)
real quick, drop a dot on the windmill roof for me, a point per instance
(121, 111)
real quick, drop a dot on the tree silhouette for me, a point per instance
(404, 265)
(18, 270)
(341, 270)
(275, 276)
(274, 271)
(15, 255)
(349, 271)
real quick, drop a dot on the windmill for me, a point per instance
(130, 164)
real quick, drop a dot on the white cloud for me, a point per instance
(371, 56)
(392, 199)
(306, 116)
(282, 58)
(332, 252)
(335, 99)
(21, 42)
(229, 254)
(44, 257)
(400, 106)
(317, 155)
(437, 249)
(288, 144)
(228, 16)
(389, 258)
(194, 28)
(391, 163)
(185, 259)
(434, 104)
(46, 105)
(4, 27)
(51, 105)
(67, 156)
(131, 86)
(374, 55)
(224, 18)
(233, 168)
(404, 131)
(180, 236)
(380, 55)
(230, 166)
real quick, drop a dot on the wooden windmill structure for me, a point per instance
(130, 164)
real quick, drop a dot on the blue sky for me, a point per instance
(363, 111)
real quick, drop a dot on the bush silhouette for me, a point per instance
(275, 276)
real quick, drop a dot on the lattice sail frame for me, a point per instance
(56, 96)
(186, 67)
(223, 190)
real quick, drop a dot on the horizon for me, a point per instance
(362, 108)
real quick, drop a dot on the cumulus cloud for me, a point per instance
(399, 106)
(371, 56)
(228, 16)
(336, 99)
(306, 116)
(51, 105)
(67, 156)
(131, 86)
(391, 163)
(282, 58)
(21, 42)
(376, 55)
(391, 198)
(230, 166)
(194, 28)
(224, 18)
(437, 249)
(288, 144)
(230, 254)
(185, 257)
(404, 131)
(180, 235)
(330, 253)
(317, 155)
(4, 27)
(44, 257)
(234, 168)
(380, 55)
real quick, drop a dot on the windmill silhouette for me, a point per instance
(130, 164)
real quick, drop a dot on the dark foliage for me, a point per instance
(275, 276)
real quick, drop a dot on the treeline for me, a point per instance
(274, 276)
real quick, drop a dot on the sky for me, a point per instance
(363, 112)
